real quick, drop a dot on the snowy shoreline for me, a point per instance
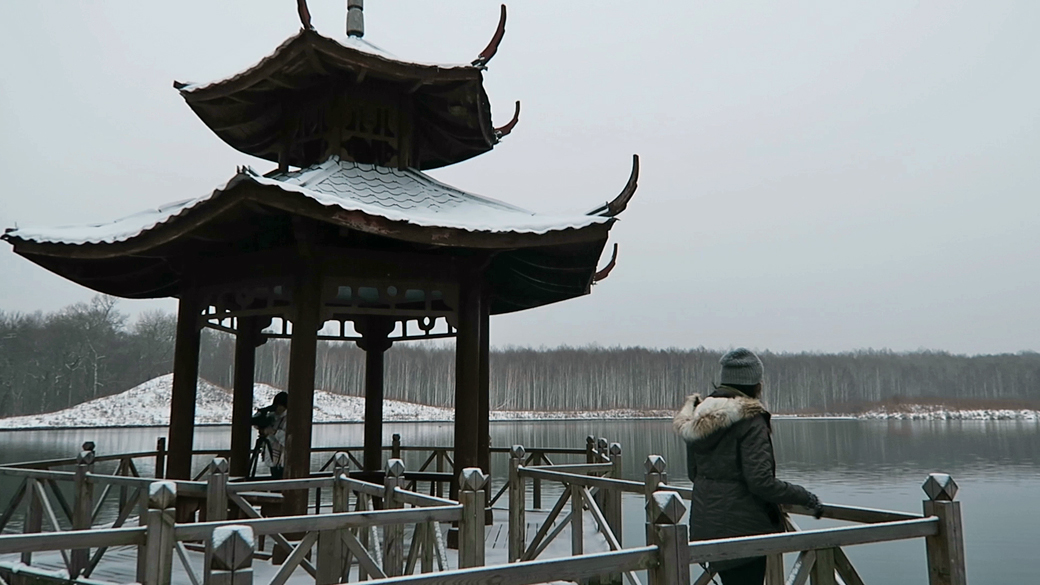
(148, 404)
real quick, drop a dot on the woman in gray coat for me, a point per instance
(729, 458)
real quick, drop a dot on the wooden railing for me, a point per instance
(368, 524)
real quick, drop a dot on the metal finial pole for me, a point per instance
(356, 18)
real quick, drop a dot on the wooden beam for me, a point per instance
(302, 357)
(185, 386)
(467, 372)
(246, 340)
(374, 331)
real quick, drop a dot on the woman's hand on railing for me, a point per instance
(815, 506)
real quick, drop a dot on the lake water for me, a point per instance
(865, 463)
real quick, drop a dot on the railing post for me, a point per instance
(83, 508)
(160, 458)
(946, 549)
(612, 499)
(517, 504)
(536, 484)
(656, 474)
(395, 447)
(590, 449)
(156, 566)
(216, 490)
(232, 559)
(471, 525)
(393, 534)
(216, 503)
(664, 511)
(330, 544)
(601, 450)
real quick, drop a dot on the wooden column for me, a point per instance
(185, 386)
(483, 388)
(468, 344)
(246, 340)
(302, 356)
(374, 331)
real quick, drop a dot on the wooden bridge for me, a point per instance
(108, 524)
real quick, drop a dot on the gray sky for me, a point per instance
(815, 175)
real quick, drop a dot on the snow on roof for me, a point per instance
(404, 195)
(347, 42)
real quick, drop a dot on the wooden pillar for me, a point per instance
(468, 344)
(185, 386)
(483, 388)
(302, 357)
(374, 331)
(246, 340)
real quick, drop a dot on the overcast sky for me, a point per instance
(815, 175)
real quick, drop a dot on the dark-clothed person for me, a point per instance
(729, 458)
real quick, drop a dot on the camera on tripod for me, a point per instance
(264, 418)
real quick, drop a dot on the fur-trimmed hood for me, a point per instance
(700, 417)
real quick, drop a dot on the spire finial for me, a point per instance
(305, 14)
(356, 18)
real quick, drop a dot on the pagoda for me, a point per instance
(345, 239)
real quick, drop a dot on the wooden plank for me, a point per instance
(295, 558)
(201, 530)
(17, 543)
(361, 553)
(823, 569)
(182, 554)
(531, 572)
(624, 485)
(12, 506)
(802, 568)
(577, 517)
(845, 569)
(854, 513)
(532, 549)
(53, 519)
(753, 546)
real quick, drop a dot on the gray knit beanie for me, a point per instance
(741, 366)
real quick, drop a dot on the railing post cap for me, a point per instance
(655, 464)
(88, 445)
(590, 440)
(394, 467)
(602, 444)
(341, 459)
(232, 547)
(85, 457)
(940, 486)
(615, 448)
(219, 465)
(665, 507)
(396, 437)
(517, 451)
(162, 494)
(472, 479)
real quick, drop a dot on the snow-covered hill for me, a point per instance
(149, 405)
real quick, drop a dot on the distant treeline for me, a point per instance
(52, 361)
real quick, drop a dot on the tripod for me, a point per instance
(261, 445)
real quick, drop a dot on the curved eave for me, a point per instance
(246, 109)
(247, 187)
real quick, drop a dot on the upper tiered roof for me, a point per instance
(314, 94)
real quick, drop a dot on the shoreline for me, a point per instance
(526, 417)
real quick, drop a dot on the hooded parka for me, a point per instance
(729, 458)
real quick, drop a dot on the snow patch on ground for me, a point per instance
(924, 412)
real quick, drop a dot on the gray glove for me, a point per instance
(815, 506)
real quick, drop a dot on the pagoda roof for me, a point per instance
(248, 110)
(353, 210)
(398, 196)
